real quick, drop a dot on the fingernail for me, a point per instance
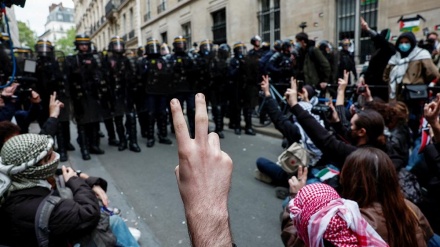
(174, 101)
(200, 95)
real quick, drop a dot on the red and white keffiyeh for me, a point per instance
(319, 213)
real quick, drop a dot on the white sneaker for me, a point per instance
(135, 232)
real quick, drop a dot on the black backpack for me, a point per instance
(100, 236)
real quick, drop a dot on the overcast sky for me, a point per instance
(35, 13)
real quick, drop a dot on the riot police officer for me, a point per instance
(51, 76)
(119, 77)
(88, 87)
(217, 91)
(155, 73)
(183, 84)
(239, 78)
(280, 67)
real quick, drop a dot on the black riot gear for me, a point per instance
(224, 51)
(240, 50)
(44, 48)
(286, 47)
(164, 49)
(5, 40)
(82, 39)
(116, 44)
(206, 48)
(140, 51)
(277, 45)
(179, 44)
(152, 47)
(265, 46)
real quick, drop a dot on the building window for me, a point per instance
(186, 31)
(164, 36)
(131, 19)
(147, 16)
(60, 17)
(162, 6)
(269, 19)
(219, 26)
(124, 24)
(346, 23)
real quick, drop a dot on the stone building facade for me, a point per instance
(238, 20)
(59, 21)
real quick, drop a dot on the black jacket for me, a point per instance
(329, 144)
(69, 220)
(282, 123)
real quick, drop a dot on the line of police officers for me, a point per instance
(105, 87)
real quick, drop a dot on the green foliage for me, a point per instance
(27, 37)
(66, 44)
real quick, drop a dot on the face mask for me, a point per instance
(404, 47)
(298, 45)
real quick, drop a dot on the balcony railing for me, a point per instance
(161, 7)
(131, 34)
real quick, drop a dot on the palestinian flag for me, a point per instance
(326, 174)
(410, 24)
(437, 28)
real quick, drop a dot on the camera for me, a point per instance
(9, 3)
(300, 85)
(322, 110)
(361, 89)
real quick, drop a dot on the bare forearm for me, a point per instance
(209, 228)
(340, 98)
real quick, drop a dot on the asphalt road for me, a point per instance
(143, 185)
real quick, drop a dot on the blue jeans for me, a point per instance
(120, 230)
(274, 171)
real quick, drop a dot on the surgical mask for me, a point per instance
(404, 47)
(298, 45)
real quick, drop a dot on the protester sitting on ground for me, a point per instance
(369, 178)
(267, 170)
(367, 129)
(322, 218)
(203, 177)
(29, 161)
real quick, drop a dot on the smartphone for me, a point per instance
(299, 85)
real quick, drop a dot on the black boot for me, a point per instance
(121, 134)
(248, 120)
(218, 120)
(83, 143)
(133, 144)
(95, 140)
(162, 125)
(61, 144)
(65, 128)
(142, 119)
(110, 126)
(150, 129)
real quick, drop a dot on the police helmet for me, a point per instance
(325, 46)
(206, 47)
(140, 51)
(5, 40)
(44, 48)
(224, 51)
(286, 46)
(23, 53)
(116, 44)
(164, 49)
(277, 45)
(239, 49)
(82, 39)
(265, 46)
(179, 44)
(152, 47)
(255, 39)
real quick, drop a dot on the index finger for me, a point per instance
(180, 127)
(292, 83)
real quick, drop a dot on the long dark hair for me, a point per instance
(369, 176)
(373, 124)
